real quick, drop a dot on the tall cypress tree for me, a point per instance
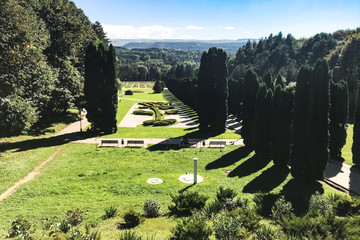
(281, 126)
(250, 89)
(279, 81)
(311, 123)
(338, 118)
(213, 90)
(268, 81)
(356, 135)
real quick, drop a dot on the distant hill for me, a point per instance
(230, 46)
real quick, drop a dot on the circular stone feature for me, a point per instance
(154, 181)
(189, 178)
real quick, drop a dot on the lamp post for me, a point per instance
(195, 170)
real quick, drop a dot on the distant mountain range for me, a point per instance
(230, 46)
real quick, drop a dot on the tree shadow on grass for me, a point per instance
(267, 180)
(299, 194)
(44, 142)
(250, 166)
(229, 158)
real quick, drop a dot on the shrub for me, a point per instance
(264, 203)
(20, 227)
(158, 114)
(152, 208)
(225, 193)
(110, 212)
(319, 205)
(143, 112)
(158, 86)
(137, 91)
(184, 203)
(166, 106)
(231, 204)
(191, 229)
(212, 209)
(165, 122)
(75, 217)
(172, 111)
(250, 220)
(226, 225)
(64, 226)
(347, 206)
(132, 219)
(129, 92)
(128, 235)
(267, 233)
(148, 122)
(281, 209)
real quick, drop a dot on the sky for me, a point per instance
(220, 19)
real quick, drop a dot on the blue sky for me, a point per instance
(215, 19)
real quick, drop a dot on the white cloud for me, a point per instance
(130, 32)
(247, 32)
(192, 27)
(229, 28)
(186, 36)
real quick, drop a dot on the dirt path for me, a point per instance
(29, 177)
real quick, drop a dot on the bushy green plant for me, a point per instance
(281, 209)
(132, 219)
(231, 204)
(264, 203)
(21, 228)
(225, 193)
(110, 212)
(75, 217)
(148, 122)
(347, 206)
(319, 205)
(226, 225)
(267, 233)
(250, 220)
(143, 112)
(92, 236)
(212, 209)
(191, 229)
(184, 203)
(152, 208)
(64, 226)
(172, 111)
(129, 92)
(164, 122)
(129, 235)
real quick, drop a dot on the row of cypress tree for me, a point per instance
(100, 88)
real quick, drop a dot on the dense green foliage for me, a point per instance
(213, 91)
(311, 123)
(41, 60)
(356, 137)
(100, 88)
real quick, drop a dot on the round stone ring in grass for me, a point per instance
(154, 181)
(189, 178)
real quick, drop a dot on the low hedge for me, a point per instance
(165, 122)
(137, 91)
(143, 112)
(148, 122)
(158, 114)
(129, 92)
(172, 111)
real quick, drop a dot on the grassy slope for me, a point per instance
(59, 188)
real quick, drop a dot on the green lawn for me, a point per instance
(346, 151)
(147, 95)
(117, 177)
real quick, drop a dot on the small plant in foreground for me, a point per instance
(20, 227)
(132, 219)
(212, 209)
(110, 212)
(267, 233)
(191, 229)
(225, 193)
(226, 225)
(128, 235)
(185, 203)
(319, 205)
(231, 204)
(64, 226)
(281, 209)
(152, 208)
(75, 217)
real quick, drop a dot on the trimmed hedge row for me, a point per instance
(129, 92)
(143, 112)
(171, 111)
(164, 122)
(158, 114)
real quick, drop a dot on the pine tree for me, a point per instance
(338, 118)
(268, 81)
(250, 89)
(356, 135)
(279, 81)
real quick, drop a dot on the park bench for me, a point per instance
(217, 144)
(135, 143)
(109, 143)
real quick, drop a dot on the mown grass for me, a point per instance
(117, 177)
(147, 95)
(346, 151)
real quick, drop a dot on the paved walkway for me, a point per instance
(343, 176)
